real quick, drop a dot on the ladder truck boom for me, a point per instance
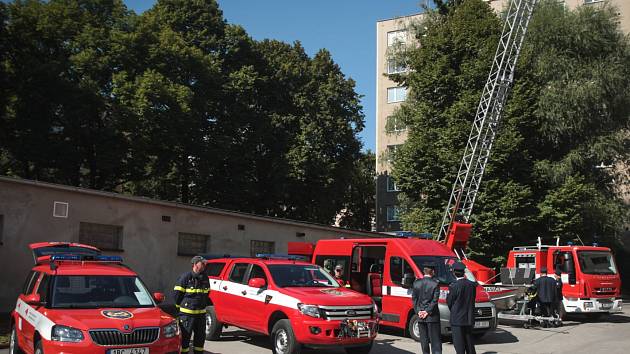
(455, 229)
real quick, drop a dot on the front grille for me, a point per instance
(483, 312)
(116, 337)
(347, 312)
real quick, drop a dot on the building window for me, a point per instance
(60, 209)
(391, 185)
(256, 247)
(395, 67)
(592, 1)
(105, 237)
(394, 125)
(393, 213)
(396, 37)
(396, 94)
(192, 244)
(391, 153)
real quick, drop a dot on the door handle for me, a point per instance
(244, 292)
(225, 288)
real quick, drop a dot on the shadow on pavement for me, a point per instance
(387, 346)
(500, 336)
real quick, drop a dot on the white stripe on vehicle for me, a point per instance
(42, 324)
(277, 298)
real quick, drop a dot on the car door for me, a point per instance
(25, 329)
(233, 290)
(396, 299)
(255, 314)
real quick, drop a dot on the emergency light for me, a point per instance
(281, 256)
(77, 257)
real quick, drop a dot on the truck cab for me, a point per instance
(76, 300)
(381, 268)
(590, 279)
(296, 303)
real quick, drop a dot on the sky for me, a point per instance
(346, 28)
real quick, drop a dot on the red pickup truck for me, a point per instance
(296, 303)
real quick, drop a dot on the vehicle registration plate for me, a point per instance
(129, 351)
(482, 324)
(606, 306)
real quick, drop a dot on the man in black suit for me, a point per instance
(547, 293)
(461, 302)
(425, 295)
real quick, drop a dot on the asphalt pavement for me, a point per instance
(607, 335)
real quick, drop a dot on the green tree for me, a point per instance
(566, 114)
(359, 201)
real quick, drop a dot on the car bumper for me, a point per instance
(593, 305)
(485, 323)
(162, 346)
(322, 333)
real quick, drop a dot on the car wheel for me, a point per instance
(283, 339)
(360, 350)
(413, 328)
(14, 347)
(38, 348)
(213, 327)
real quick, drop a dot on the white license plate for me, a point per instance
(129, 351)
(606, 306)
(482, 324)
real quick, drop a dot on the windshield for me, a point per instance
(96, 291)
(597, 262)
(301, 275)
(442, 266)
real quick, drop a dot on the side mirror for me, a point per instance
(257, 283)
(158, 297)
(407, 280)
(33, 299)
(572, 279)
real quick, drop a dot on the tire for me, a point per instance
(412, 328)
(14, 347)
(360, 350)
(214, 328)
(283, 339)
(38, 348)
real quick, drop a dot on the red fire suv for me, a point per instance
(75, 300)
(296, 303)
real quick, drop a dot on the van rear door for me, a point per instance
(43, 250)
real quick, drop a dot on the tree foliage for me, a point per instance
(176, 104)
(567, 113)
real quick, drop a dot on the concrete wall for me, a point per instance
(149, 244)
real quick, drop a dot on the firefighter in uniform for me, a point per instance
(191, 299)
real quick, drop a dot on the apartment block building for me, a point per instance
(390, 35)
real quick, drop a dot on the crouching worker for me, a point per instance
(191, 299)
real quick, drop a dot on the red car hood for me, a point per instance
(328, 296)
(86, 319)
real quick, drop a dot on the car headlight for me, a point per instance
(170, 330)
(375, 313)
(309, 310)
(66, 334)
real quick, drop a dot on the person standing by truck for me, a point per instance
(339, 276)
(547, 293)
(191, 299)
(558, 303)
(461, 302)
(425, 296)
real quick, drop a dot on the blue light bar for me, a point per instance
(76, 257)
(281, 256)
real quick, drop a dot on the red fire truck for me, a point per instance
(296, 303)
(75, 300)
(384, 269)
(591, 282)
